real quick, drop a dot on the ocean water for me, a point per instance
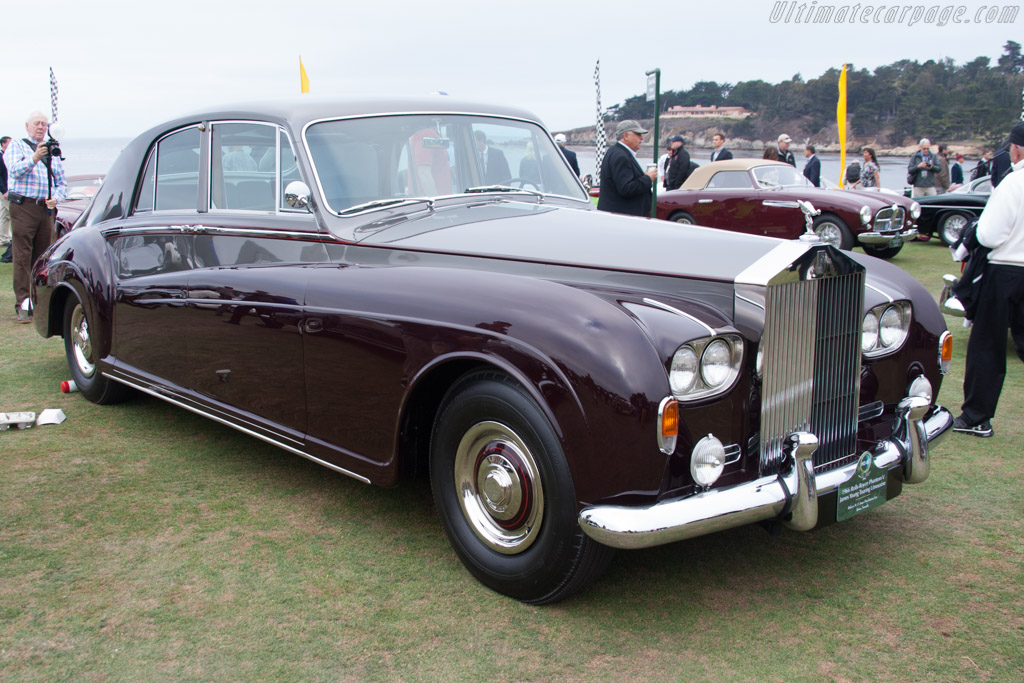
(91, 155)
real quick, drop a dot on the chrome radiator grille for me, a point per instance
(811, 367)
(889, 218)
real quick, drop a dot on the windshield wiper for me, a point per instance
(502, 188)
(377, 203)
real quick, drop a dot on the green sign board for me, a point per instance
(864, 490)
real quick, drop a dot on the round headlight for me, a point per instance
(890, 326)
(865, 215)
(869, 337)
(716, 363)
(707, 461)
(683, 372)
(915, 210)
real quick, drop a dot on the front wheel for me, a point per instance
(80, 349)
(505, 495)
(882, 252)
(951, 227)
(832, 230)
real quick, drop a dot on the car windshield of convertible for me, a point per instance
(364, 163)
(779, 176)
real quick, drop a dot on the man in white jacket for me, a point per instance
(1001, 305)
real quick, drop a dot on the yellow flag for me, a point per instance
(303, 78)
(841, 119)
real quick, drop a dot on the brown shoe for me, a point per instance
(23, 317)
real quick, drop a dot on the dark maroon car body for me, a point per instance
(531, 352)
(759, 197)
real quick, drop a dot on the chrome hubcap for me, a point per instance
(830, 234)
(954, 227)
(81, 343)
(499, 490)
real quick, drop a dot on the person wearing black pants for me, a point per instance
(1001, 304)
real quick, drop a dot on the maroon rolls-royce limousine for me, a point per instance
(394, 287)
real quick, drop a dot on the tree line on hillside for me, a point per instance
(894, 103)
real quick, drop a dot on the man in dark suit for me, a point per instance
(679, 167)
(625, 187)
(719, 153)
(569, 155)
(812, 170)
(493, 165)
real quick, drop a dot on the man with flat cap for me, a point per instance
(625, 187)
(1001, 302)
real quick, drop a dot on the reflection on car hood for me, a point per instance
(544, 233)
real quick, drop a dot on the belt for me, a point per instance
(20, 199)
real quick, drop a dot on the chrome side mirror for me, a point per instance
(296, 195)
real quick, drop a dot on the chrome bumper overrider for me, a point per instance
(875, 238)
(791, 497)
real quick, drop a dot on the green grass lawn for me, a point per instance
(142, 542)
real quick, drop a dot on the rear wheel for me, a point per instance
(832, 230)
(682, 217)
(81, 354)
(504, 493)
(951, 226)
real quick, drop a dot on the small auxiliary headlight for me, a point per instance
(707, 461)
(865, 215)
(921, 388)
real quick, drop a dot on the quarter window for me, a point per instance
(170, 181)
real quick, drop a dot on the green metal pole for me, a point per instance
(656, 142)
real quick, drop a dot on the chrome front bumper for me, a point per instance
(878, 238)
(791, 497)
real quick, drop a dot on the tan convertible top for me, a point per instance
(700, 177)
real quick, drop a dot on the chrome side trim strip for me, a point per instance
(670, 309)
(883, 293)
(233, 425)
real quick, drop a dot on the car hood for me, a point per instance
(525, 231)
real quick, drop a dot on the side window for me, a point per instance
(177, 171)
(242, 166)
(729, 180)
(145, 200)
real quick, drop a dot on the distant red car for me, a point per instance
(759, 197)
(81, 189)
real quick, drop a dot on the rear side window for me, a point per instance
(171, 179)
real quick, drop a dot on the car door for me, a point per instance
(731, 197)
(152, 254)
(245, 294)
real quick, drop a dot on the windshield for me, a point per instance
(384, 158)
(779, 176)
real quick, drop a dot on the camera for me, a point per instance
(52, 148)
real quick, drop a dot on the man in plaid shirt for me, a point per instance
(33, 193)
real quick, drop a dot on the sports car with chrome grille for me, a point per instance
(760, 197)
(363, 283)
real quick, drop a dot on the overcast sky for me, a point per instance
(123, 67)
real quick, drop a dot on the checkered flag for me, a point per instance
(53, 96)
(602, 140)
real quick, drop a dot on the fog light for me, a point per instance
(707, 461)
(921, 388)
